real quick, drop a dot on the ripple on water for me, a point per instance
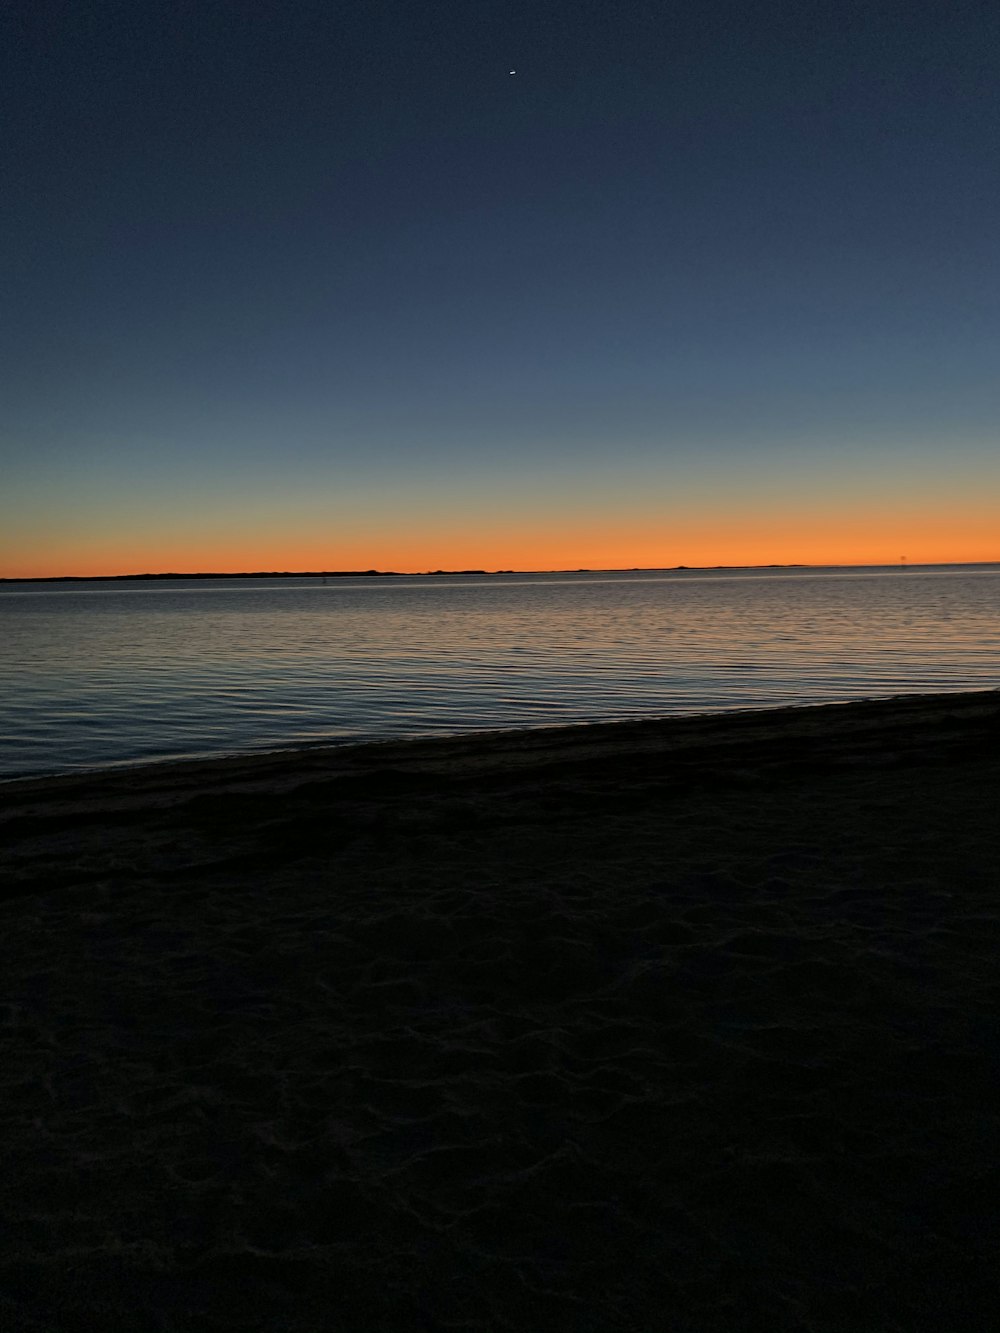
(93, 674)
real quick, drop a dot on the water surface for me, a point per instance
(103, 673)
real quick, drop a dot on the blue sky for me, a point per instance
(277, 265)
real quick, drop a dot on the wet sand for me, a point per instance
(674, 1025)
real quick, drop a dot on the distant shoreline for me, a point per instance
(369, 573)
(452, 573)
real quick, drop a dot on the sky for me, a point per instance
(533, 285)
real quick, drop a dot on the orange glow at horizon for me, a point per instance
(958, 535)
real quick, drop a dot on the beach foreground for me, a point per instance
(675, 1025)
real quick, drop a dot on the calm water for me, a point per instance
(99, 673)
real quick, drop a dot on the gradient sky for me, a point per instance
(322, 285)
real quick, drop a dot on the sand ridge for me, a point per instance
(672, 1025)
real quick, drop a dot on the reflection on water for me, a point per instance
(101, 673)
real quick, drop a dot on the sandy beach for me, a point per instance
(688, 1024)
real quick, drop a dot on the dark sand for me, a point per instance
(681, 1025)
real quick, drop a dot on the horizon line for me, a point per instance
(486, 573)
